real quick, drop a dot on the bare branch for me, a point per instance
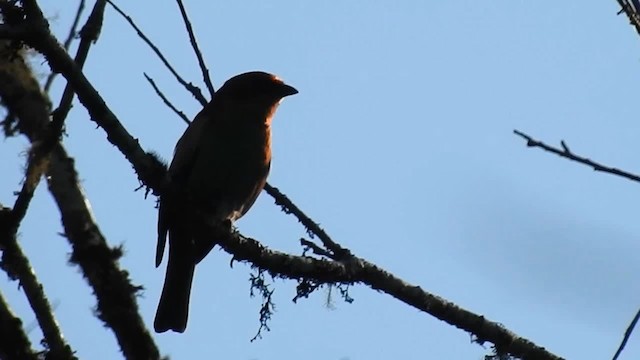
(41, 39)
(17, 266)
(568, 154)
(88, 35)
(196, 49)
(632, 9)
(116, 295)
(35, 168)
(194, 90)
(67, 42)
(41, 150)
(312, 228)
(310, 245)
(627, 335)
(358, 270)
(166, 101)
(14, 343)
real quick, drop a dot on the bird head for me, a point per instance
(255, 94)
(256, 86)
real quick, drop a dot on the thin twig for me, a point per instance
(166, 101)
(627, 334)
(194, 90)
(568, 154)
(67, 42)
(196, 49)
(313, 229)
(88, 35)
(310, 245)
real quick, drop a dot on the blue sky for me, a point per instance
(400, 144)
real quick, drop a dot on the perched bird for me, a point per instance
(219, 167)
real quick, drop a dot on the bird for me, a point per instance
(220, 166)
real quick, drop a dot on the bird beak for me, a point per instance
(286, 90)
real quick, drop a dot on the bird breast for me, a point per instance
(231, 167)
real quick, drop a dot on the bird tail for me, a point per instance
(173, 309)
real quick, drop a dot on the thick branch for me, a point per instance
(35, 168)
(115, 294)
(41, 39)
(12, 32)
(14, 261)
(357, 270)
(17, 266)
(14, 343)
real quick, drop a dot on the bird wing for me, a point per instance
(187, 146)
(184, 155)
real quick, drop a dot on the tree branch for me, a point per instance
(357, 270)
(14, 343)
(627, 335)
(194, 90)
(196, 49)
(67, 42)
(568, 154)
(313, 229)
(14, 262)
(632, 9)
(12, 32)
(88, 35)
(166, 101)
(116, 295)
(17, 266)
